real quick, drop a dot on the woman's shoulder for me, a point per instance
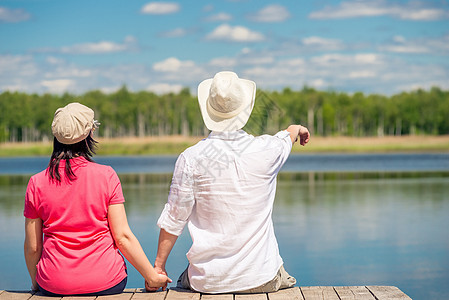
(42, 175)
(100, 168)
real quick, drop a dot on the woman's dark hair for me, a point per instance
(85, 148)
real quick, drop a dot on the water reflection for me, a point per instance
(345, 228)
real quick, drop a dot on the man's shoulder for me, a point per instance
(194, 150)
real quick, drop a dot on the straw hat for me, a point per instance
(72, 123)
(226, 101)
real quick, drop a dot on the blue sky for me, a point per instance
(374, 46)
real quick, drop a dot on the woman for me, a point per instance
(77, 205)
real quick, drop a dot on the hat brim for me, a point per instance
(215, 123)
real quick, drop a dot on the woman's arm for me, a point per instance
(131, 248)
(33, 247)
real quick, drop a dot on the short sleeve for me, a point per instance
(30, 210)
(115, 189)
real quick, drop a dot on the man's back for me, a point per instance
(225, 187)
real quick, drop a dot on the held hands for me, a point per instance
(160, 280)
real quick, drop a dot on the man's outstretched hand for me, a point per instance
(304, 135)
(299, 131)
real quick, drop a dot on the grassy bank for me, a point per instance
(176, 144)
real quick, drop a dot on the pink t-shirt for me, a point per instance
(79, 254)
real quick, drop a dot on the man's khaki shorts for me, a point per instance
(282, 280)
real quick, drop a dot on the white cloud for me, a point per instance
(367, 72)
(270, 14)
(318, 83)
(220, 17)
(160, 8)
(100, 47)
(13, 15)
(177, 32)
(405, 48)
(282, 73)
(19, 65)
(63, 70)
(54, 60)
(164, 88)
(57, 86)
(258, 60)
(311, 45)
(414, 10)
(244, 58)
(333, 60)
(172, 64)
(425, 45)
(226, 32)
(93, 48)
(223, 62)
(318, 43)
(246, 50)
(18, 73)
(110, 89)
(362, 74)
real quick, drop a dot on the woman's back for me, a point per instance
(79, 254)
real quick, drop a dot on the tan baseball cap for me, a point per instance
(72, 123)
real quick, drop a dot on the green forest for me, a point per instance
(27, 117)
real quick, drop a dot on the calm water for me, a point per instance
(339, 219)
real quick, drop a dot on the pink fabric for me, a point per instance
(79, 255)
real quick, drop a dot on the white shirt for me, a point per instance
(224, 188)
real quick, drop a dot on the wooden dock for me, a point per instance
(296, 293)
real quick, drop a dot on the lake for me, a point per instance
(340, 219)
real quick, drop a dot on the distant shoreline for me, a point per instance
(172, 145)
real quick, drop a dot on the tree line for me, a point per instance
(27, 117)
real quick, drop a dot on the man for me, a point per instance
(223, 188)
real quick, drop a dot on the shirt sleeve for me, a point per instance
(115, 188)
(284, 148)
(181, 199)
(30, 209)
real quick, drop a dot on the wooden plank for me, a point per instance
(303, 293)
(251, 297)
(354, 292)
(142, 294)
(319, 293)
(286, 294)
(217, 297)
(16, 295)
(181, 294)
(126, 295)
(39, 296)
(387, 292)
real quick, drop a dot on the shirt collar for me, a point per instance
(78, 161)
(228, 135)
